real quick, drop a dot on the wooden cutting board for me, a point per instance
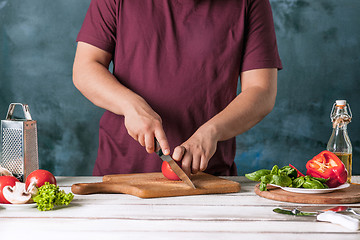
(153, 185)
(346, 195)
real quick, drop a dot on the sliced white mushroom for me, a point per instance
(16, 194)
(5, 172)
(32, 189)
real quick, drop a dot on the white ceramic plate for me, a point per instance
(313, 191)
(18, 206)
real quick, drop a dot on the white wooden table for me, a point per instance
(242, 215)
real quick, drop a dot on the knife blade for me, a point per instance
(178, 171)
(324, 216)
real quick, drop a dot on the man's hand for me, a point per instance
(196, 152)
(144, 125)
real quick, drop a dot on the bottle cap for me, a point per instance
(340, 102)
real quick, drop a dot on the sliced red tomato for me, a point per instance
(168, 172)
(6, 181)
(40, 177)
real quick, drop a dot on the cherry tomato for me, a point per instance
(168, 172)
(40, 176)
(6, 181)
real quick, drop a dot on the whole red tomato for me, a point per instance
(168, 172)
(6, 181)
(40, 177)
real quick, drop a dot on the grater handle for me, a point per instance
(25, 108)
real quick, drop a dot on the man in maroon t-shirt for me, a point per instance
(176, 67)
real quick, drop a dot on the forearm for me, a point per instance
(93, 79)
(246, 110)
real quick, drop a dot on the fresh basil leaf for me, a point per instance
(256, 176)
(313, 184)
(275, 170)
(281, 180)
(264, 181)
(289, 171)
(322, 180)
(298, 182)
(262, 186)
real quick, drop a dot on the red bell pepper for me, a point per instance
(327, 165)
(299, 174)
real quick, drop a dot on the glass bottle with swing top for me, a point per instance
(339, 142)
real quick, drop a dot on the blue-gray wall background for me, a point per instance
(318, 44)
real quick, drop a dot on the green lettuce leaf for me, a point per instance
(50, 195)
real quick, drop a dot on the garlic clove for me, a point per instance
(16, 194)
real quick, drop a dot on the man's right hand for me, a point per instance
(144, 125)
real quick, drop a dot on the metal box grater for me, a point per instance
(19, 147)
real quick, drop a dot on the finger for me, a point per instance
(149, 143)
(141, 140)
(186, 163)
(178, 153)
(195, 164)
(203, 163)
(164, 144)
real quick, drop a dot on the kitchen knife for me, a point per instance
(315, 209)
(343, 209)
(178, 171)
(327, 216)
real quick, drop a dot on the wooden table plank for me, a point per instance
(176, 229)
(215, 216)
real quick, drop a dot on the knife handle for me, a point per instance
(157, 148)
(99, 187)
(340, 219)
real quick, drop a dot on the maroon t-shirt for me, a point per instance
(184, 58)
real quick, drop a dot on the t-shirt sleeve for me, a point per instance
(260, 48)
(99, 26)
